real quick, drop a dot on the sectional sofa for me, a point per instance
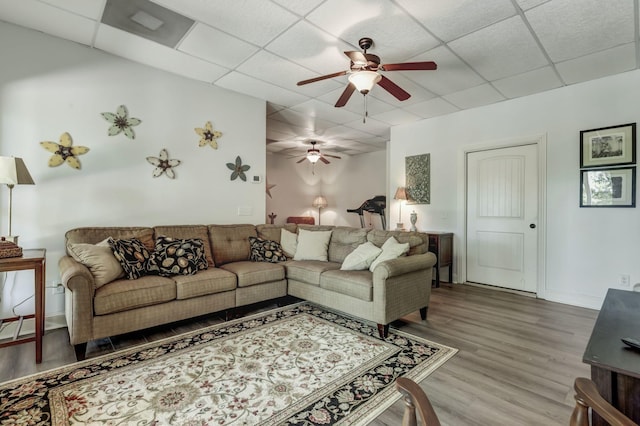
(100, 302)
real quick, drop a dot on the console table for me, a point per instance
(30, 259)
(615, 368)
(441, 244)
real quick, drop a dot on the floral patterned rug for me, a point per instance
(298, 365)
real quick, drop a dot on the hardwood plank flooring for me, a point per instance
(517, 359)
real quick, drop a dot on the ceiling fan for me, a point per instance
(364, 73)
(314, 154)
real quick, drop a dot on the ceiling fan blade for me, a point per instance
(300, 161)
(394, 89)
(332, 156)
(357, 57)
(348, 91)
(322, 77)
(410, 66)
(324, 160)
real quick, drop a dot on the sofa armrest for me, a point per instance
(79, 300)
(403, 265)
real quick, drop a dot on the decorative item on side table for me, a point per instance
(413, 218)
(9, 249)
(13, 172)
(401, 195)
(271, 217)
(319, 202)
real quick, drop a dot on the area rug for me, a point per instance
(298, 365)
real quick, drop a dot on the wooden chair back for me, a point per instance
(415, 400)
(587, 396)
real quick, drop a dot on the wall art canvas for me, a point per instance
(418, 179)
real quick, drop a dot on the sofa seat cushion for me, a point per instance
(308, 271)
(358, 284)
(123, 295)
(210, 281)
(252, 273)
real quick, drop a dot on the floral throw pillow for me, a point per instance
(173, 256)
(132, 255)
(266, 251)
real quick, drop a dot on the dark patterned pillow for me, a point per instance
(132, 255)
(266, 251)
(174, 256)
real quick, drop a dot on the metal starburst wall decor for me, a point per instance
(163, 164)
(121, 122)
(64, 151)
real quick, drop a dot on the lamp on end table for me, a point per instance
(401, 195)
(320, 202)
(13, 172)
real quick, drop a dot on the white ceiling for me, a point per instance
(487, 51)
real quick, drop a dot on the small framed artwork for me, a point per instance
(608, 187)
(608, 146)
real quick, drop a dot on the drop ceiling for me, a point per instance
(487, 51)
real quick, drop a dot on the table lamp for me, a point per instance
(401, 194)
(13, 172)
(320, 202)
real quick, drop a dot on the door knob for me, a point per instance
(532, 226)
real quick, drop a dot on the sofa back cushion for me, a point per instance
(272, 232)
(94, 235)
(230, 243)
(418, 241)
(344, 240)
(185, 232)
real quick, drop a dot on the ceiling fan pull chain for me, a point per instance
(365, 113)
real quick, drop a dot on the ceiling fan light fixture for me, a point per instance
(313, 156)
(364, 80)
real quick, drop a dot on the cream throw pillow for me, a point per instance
(99, 259)
(361, 258)
(312, 245)
(288, 242)
(391, 249)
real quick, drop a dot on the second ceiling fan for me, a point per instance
(364, 73)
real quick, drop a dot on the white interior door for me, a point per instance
(502, 214)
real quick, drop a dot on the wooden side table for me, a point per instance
(441, 244)
(30, 259)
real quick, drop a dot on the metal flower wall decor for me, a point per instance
(238, 169)
(64, 151)
(121, 122)
(208, 136)
(163, 164)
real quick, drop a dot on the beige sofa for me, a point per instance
(395, 288)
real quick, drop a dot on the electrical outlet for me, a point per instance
(625, 280)
(59, 289)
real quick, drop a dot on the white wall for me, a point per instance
(587, 249)
(49, 86)
(345, 183)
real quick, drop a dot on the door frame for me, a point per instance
(541, 143)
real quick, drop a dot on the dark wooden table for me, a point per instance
(30, 259)
(615, 368)
(441, 244)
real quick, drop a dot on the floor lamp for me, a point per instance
(401, 195)
(13, 172)
(320, 202)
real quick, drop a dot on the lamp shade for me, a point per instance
(320, 202)
(313, 155)
(401, 193)
(14, 172)
(364, 80)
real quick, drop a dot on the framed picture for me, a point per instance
(608, 187)
(418, 178)
(608, 146)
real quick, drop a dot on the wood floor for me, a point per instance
(517, 359)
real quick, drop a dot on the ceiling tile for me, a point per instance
(144, 51)
(299, 7)
(528, 83)
(530, 4)
(215, 46)
(513, 49)
(88, 8)
(450, 19)
(48, 19)
(372, 126)
(568, 31)
(432, 108)
(611, 61)
(418, 93)
(312, 125)
(256, 21)
(316, 108)
(272, 108)
(276, 70)
(259, 89)
(396, 117)
(475, 97)
(451, 76)
(311, 48)
(395, 34)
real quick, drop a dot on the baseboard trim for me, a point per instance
(502, 289)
